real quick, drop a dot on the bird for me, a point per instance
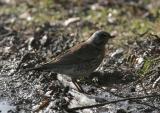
(80, 60)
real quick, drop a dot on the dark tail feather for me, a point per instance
(34, 69)
(44, 67)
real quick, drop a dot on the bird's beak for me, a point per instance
(113, 36)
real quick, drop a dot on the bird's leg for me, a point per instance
(80, 89)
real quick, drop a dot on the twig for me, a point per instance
(146, 104)
(156, 82)
(111, 102)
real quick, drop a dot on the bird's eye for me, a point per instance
(100, 41)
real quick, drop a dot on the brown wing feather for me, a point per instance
(77, 54)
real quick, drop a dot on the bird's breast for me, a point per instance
(84, 68)
(87, 68)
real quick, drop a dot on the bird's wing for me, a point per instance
(78, 54)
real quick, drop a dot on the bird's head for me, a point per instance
(99, 38)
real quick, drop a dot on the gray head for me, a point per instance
(99, 38)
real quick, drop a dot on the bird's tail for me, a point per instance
(43, 67)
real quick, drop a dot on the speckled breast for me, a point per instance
(78, 70)
(86, 68)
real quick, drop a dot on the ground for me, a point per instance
(34, 32)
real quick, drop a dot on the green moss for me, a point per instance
(148, 65)
(140, 26)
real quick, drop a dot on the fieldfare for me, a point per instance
(80, 60)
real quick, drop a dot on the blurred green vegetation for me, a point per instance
(128, 19)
